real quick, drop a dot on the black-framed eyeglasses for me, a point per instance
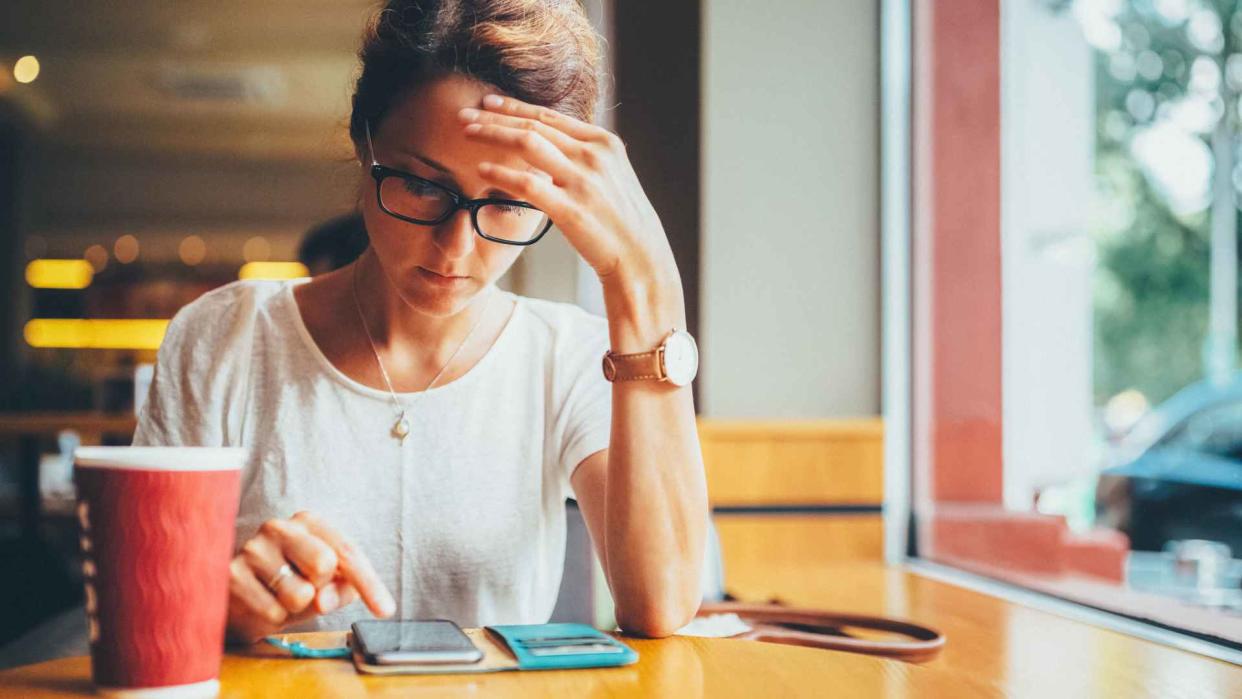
(424, 202)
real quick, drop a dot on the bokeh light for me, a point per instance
(59, 274)
(273, 270)
(26, 69)
(1173, 11)
(1140, 104)
(1178, 164)
(1124, 410)
(111, 333)
(192, 250)
(1204, 31)
(126, 249)
(97, 255)
(257, 249)
(1204, 76)
(1150, 65)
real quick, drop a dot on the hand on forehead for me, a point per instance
(424, 126)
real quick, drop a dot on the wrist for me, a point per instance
(642, 309)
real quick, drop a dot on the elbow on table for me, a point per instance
(654, 622)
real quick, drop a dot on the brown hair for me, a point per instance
(540, 51)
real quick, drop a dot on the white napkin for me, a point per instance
(715, 626)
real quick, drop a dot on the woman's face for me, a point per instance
(436, 269)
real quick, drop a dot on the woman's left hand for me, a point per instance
(583, 180)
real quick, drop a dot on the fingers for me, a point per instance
(252, 596)
(255, 613)
(313, 558)
(567, 144)
(562, 122)
(335, 595)
(353, 566)
(264, 596)
(533, 147)
(253, 610)
(266, 560)
(537, 190)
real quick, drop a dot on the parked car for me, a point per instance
(1178, 473)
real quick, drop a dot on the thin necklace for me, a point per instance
(401, 428)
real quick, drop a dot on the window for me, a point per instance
(1075, 411)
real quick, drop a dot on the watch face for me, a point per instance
(681, 358)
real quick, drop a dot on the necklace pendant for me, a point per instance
(401, 428)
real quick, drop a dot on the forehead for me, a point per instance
(425, 121)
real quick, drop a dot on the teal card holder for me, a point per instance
(562, 646)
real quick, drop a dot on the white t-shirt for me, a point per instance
(466, 520)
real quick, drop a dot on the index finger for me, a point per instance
(574, 127)
(353, 565)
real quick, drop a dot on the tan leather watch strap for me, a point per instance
(633, 367)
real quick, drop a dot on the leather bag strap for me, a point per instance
(815, 628)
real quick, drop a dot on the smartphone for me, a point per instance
(414, 642)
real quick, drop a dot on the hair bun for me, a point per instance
(541, 51)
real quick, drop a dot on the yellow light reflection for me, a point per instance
(59, 274)
(26, 69)
(145, 334)
(273, 270)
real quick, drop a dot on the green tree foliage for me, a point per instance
(1152, 285)
(1151, 296)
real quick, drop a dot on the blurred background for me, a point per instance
(152, 151)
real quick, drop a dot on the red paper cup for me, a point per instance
(157, 537)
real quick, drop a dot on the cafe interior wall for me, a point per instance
(790, 231)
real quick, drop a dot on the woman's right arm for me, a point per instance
(189, 395)
(328, 572)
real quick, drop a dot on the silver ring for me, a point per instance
(285, 571)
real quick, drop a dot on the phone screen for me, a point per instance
(426, 641)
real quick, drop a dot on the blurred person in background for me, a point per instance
(333, 243)
(414, 430)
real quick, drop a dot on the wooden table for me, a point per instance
(998, 648)
(995, 648)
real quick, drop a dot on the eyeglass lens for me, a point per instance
(425, 202)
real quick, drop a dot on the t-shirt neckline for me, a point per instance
(341, 377)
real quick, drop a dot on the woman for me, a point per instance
(414, 430)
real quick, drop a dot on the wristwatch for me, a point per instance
(676, 361)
